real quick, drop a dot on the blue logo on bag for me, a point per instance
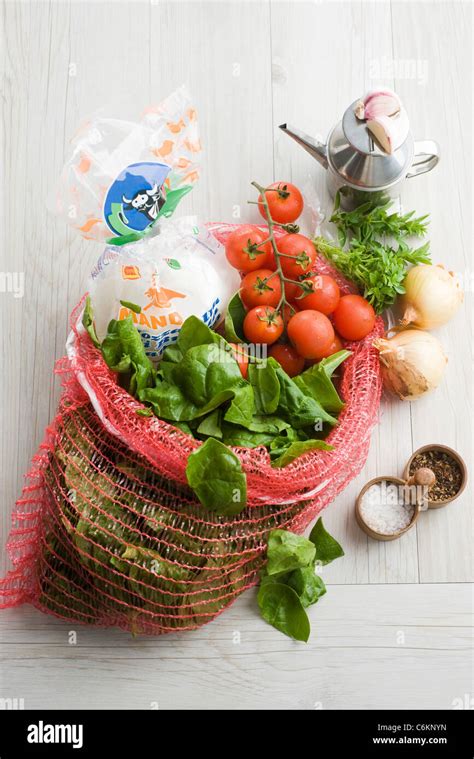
(135, 199)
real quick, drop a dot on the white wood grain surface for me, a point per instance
(250, 66)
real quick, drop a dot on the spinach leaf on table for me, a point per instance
(287, 551)
(280, 607)
(308, 586)
(327, 548)
(172, 354)
(290, 564)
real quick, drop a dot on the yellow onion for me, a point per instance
(432, 296)
(412, 362)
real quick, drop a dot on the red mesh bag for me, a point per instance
(107, 531)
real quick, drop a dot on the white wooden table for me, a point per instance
(393, 630)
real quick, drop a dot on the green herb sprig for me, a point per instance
(378, 254)
(378, 270)
(368, 222)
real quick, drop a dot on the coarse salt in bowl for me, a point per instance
(382, 511)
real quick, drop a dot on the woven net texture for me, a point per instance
(107, 532)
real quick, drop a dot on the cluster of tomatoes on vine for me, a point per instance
(300, 314)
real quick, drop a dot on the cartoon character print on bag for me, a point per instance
(148, 202)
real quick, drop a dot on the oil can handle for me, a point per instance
(427, 155)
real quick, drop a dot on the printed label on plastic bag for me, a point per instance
(180, 272)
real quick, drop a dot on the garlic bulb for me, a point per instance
(412, 363)
(382, 102)
(432, 296)
(389, 131)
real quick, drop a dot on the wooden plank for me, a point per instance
(312, 86)
(35, 77)
(221, 51)
(440, 110)
(363, 637)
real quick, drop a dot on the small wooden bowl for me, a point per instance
(457, 458)
(365, 527)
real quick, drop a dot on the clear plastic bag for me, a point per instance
(122, 176)
(178, 272)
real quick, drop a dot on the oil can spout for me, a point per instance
(312, 146)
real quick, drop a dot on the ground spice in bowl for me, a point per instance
(449, 476)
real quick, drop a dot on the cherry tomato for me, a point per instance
(260, 288)
(263, 324)
(288, 310)
(291, 291)
(288, 358)
(302, 252)
(335, 347)
(354, 317)
(311, 333)
(324, 297)
(241, 357)
(285, 202)
(244, 249)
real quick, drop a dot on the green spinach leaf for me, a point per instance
(172, 354)
(280, 606)
(308, 586)
(145, 411)
(211, 425)
(327, 548)
(242, 407)
(293, 450)
(170, 403)
(131, 306)
(287, 551)
(266, 386)
(316, 382)
(267, 423)
(300, 410)
(215, 474)
(194, 332)
(88, 322)
(234, 320)
(205, 371)
(238, 436)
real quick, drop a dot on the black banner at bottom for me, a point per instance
(370, 733)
